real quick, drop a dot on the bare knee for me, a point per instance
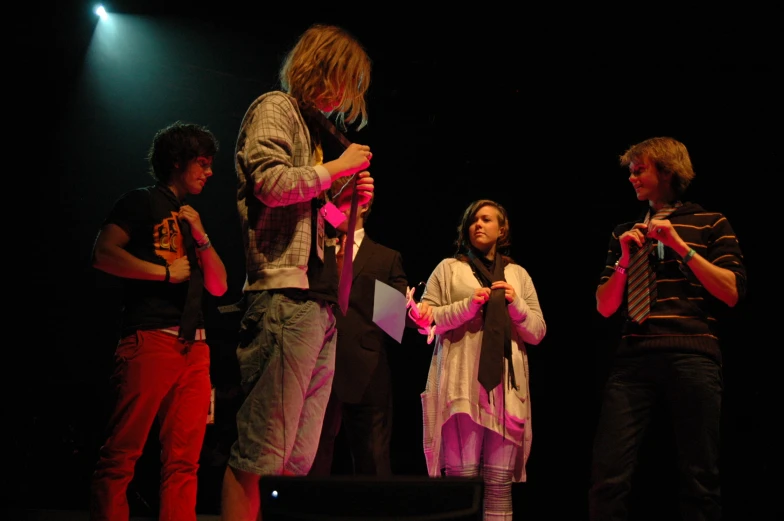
(240, 495)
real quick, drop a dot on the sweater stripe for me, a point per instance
(682, 316)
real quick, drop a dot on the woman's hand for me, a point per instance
(509, 292)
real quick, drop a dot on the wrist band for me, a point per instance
(204, 240)
(168, 274)
(620, 269)
(689, 255)
(204, 246)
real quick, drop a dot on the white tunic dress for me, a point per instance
(452, 385)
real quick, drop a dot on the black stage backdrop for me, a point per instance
(529, 109)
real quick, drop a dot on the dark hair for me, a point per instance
(463, 241)
(174, 146)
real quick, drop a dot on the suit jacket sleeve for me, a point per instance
(397, 276)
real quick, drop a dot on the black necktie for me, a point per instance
(192, 309)
(496, 332)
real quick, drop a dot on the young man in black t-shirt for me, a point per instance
(156, 243)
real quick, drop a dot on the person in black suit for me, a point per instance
(361, 399)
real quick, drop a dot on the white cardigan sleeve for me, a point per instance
(447, 315)
(524, 311)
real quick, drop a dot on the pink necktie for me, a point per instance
(347, 270)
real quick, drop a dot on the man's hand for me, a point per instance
(179, 270)
(189, 214)
(354, 159)
(365, 188)
(663, 231)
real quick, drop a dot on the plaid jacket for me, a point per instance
(274, 159)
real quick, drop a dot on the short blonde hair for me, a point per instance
(669, 155)
(329, 64)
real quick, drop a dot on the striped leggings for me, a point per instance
(469, 447)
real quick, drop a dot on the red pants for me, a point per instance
(155, 375)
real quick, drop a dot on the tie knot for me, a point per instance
(665, 212)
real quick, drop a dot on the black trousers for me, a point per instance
(690, 386)
(367, 429)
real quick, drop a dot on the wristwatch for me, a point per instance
(620, 269)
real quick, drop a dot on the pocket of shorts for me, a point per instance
(249, 347)
(292, 312)
(250, 326)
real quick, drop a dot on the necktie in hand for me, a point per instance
(641, 278)
(346, 271)
(496, 329)
(641, 284)
(190, 315)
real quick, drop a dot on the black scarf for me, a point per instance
(497, 331)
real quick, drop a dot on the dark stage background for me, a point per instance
(529, 109)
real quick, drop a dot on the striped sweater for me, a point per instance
(681, 318)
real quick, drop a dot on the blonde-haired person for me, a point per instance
(328, 69)
(481, 301)
(690, 264)
(286, 352)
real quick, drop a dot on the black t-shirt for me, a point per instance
(149, 216)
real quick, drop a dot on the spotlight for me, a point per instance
(100, 11)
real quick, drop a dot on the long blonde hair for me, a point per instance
(326, 64)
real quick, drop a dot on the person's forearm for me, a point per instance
(527, 319)
(215, 277)
(335, 168)
(719, 282)
(610, 294)
(283, 186)
(118, 262)
(454, 315)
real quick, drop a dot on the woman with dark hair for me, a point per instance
(477, 409)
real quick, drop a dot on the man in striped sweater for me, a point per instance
(665, 273)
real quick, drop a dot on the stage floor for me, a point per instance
(74, 515)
